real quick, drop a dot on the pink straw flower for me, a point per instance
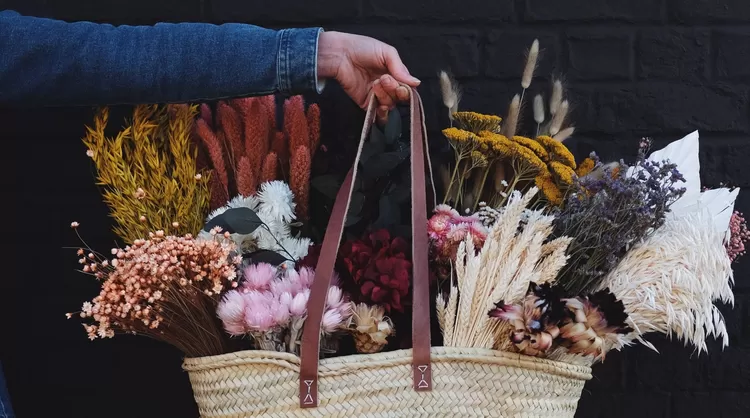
(231, 312)
(258, 276)
(298, 307)
(332, 320)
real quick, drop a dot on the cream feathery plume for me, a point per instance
(511, 123)
(556, 98)
(538, 109)
(559, 118)
(528, 71)
(564, 134)
(451, 93)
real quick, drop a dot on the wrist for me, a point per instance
(330, 54)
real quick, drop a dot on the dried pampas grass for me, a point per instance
(507, 263)
(668, 283)
(450, 92)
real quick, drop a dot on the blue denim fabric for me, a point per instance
(5, 409)
(47, 62)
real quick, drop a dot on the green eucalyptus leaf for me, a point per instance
(377, 136)
(327, 184)
(352, 220)
(371, 149)
(393, 126)
(382, 164)
(389, 213)
(235, 221)
(265, 256)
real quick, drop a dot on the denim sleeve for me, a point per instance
(45, 62)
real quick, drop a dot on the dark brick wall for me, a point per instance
(638, 67)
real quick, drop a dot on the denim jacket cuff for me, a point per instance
(297, 61)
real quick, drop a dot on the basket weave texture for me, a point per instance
(467, 382)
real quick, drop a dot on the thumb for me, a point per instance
(397, 69)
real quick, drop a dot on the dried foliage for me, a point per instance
(148, 171)
(245, 149)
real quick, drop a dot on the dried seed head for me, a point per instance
(528, 71)
(538, 109)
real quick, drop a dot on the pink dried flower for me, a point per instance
(74, 225)
(332, 320)
(739, 235)
(258, 276)
(298, 307)
(335, 297)
(231, 312)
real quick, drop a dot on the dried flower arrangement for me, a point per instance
(534, 252)
(552, 258)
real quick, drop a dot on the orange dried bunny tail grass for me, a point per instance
(215, 151)
(207, 115)
(229, 121)
(257, 132)
(280, 146)
(269, 103)
(246, 180)
(313, 124)
(270, 168)
(219, 194)
(295, 124)
(299, 180)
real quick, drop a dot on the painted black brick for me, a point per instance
(732, 50)
(280, 11)
(725, 161)
(673, 54)
(597, 55)
(711, 404)
(730, 369)
(428, 50)
(441, 10)
(660, 107)
(505, 52)
(604, 404)
(699, 11)
(584, 10)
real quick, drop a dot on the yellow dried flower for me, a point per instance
(549, 189)
(529, 143)
(459, 138)
(148, 171)
(557, 151)
(477, 122)
(562, 172)
(585, 167)
(527, 157)
(478, 159)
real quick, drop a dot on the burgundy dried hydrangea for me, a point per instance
(739, 235)
(380, 268)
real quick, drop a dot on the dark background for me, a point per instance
(659, 68)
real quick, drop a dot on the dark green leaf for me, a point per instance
(393, 126)
(327, 184)
(389, 213)
(382, 164)
(377, 136)
(352, 220)
(265, 256)
(236, 221)
(371, 149)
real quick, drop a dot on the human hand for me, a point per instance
(361, 64)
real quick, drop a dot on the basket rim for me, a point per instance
(350, 363)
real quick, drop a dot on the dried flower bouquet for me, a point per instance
(532, 250)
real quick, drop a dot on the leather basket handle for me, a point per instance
(310, 345)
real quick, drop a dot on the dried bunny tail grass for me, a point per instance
(559, 118)
(230, 123)
(218, 193)
(295, 124)
(270, 168)
(556, 97)
(514, 111)
(538, 109)
(531, 59)
(564, 134)
(299, 180)
(450, 92)
(668, 284)
(213, 145)
(313, 124)
(246, 180)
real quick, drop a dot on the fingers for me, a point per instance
(397, 68)
(381, 115)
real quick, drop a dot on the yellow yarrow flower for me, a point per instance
(498, 143)
(478, 159)
(527, 157)
(562, 172)
(460, 139)
(529, 143)
(477, 122)
(549, 189)
(557, 151)
(585, 167)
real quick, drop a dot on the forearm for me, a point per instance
(50, 62)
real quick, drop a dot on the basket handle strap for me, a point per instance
(310, 345)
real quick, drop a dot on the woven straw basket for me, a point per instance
(423, 381)
(467, 382)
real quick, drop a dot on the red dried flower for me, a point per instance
(739, 235)
(379, 265)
